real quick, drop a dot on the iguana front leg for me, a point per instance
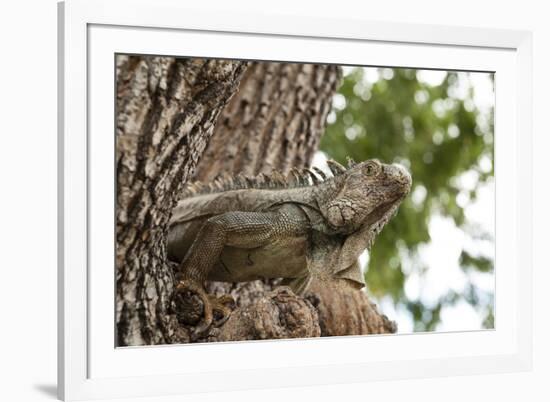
(236, 229)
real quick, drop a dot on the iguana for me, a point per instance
(241, 229)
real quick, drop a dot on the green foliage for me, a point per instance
(437, 135)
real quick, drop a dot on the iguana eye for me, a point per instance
(371, 168)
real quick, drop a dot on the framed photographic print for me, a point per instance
(243, 198)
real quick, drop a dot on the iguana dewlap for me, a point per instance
(242, 229)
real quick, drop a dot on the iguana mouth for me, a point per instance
(378, 218)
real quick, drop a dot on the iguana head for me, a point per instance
(367, 195)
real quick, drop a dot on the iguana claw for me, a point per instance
(190, 312)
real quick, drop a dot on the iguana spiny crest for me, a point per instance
(275, 180)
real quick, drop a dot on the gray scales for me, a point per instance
(306, 226)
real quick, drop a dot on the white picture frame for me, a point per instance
(91, 32)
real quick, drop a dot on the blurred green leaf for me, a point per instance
(480, 263)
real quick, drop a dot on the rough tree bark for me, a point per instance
(254, 117)
(166, 110)
(274, 122)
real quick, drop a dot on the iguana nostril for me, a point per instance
(402, 175)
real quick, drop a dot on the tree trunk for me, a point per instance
(168, 110)
(275, 122)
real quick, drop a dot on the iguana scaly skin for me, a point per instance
(310, 226)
